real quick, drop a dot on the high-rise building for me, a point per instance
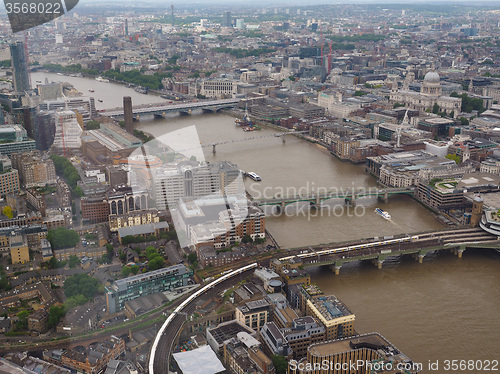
(9, 178)
(44, 130)
(127, 114)
(240, 23)
(2, 118)
(191, 179)
(20, 71)
(226, 19)
(68, 131)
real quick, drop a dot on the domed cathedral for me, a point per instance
(429, 95)
(431, 85)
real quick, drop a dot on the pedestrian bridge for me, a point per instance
(348, 194)
(161, 109)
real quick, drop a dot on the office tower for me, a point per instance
(127, 114)
(126, 27)
(20, 71)
(226, 19)
(240, 23)
(2, 118)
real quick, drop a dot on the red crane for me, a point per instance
(62, 135)
(329, 67)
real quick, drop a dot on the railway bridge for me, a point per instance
(377, 250)
(160, 110)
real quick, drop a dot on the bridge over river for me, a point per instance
(377, 250)
(161, 109)
(348, 194)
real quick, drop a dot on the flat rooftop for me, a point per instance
(330, 307)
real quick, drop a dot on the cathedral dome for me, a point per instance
(432, 77)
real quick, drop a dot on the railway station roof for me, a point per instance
(199, 361)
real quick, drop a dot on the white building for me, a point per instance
(219, 88)
(333, 103)
(429, 95)
(68, 130)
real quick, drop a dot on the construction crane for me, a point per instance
(62, 135)
(329, 67)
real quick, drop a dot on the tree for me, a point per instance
(454, 157)
(464, 121)
(280, 364)
(22, 323)
(73, 261)
(435, 108)
(93, 125)
(247, 239)
(126, 271)
(80, 288)
(134, 269)
(62, 237)
(7, 211)
(4, 283)
(79, 191)
(156, 263)
(192, 258)
(56, 312)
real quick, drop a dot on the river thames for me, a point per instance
(445, 308)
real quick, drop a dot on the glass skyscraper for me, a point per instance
(20, 67)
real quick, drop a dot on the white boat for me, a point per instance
(254, 176)
(91, 90)
(383, 213)
(101, 79)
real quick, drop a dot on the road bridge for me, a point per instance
(349, 195)
(161, 109)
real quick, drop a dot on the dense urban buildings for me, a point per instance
(340, 108)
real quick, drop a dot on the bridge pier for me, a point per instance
(460, 252)
(420, 256)
(378, 261)
(336, 267)
(384, 198)
(313, 205)
(350, 202)
(283, 139)
(280, 208)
